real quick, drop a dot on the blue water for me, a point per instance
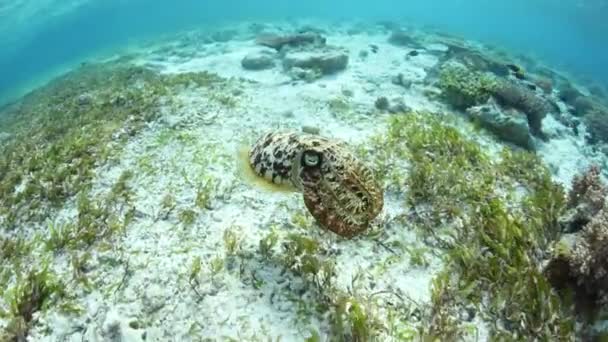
(567, 34)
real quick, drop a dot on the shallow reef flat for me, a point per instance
(125, 216)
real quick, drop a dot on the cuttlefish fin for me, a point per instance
(248, 174)
(330, 217)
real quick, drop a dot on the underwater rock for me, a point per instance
(462, 87)
(597, 90)
(311, 130)
(340, 192)
(478, 61)
(84, 99)
(508, 125)
(558, 126)
(530, 86)
(517, 71)
(381, 103)
(308, 75)
(455, 46)
(603, 148)
(557, 268)
(401, 38)
(257, 28)
(544, 83)
(585, 199)
(473, 59)
(512, 95)
(400, 80)
(584, 104)
(579, 259)
(579, 263)
(295, 40)
(569, 121)
(223, 36)
(590, 255)
(328, 60)
(258, 61)
(119, 100)
(436, 48)
(569, 94)
(287, 113)
(597, 126)
(398, 106)
(347, 92)
(461, 51)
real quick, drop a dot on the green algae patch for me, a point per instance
(463, 88)
(63, 131)
(60, 134)
(494, 216)
(34, 291)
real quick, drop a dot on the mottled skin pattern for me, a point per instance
(338, 189)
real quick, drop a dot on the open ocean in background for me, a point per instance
(569, 35)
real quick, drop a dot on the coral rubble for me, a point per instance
(579, 258)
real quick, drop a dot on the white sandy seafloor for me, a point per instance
(140, 282)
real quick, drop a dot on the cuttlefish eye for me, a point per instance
(311, 159)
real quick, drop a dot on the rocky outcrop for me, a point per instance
(382, 103)
(304, 55)
(401, 38)
(400, 80)
(481, 62)
(398, 106)
(327, 60)
(462, 87)
(258, 61)
(470, 56)
(579, 259)
(278, 42)
(307, 75)
(568, 93)
(583, 105)
(509, 125)
(586, 198)
(597, 125)
(512, 95)
(223, 36)
(544, 83)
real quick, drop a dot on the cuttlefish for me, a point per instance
(339, 190)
